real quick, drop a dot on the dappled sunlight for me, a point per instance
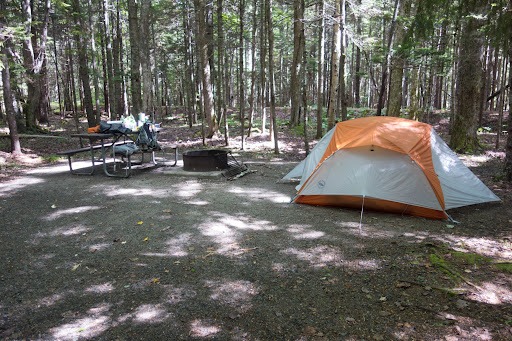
(225, 230)
(198, 202)
(51, 300)
(492, 293)
(189, 189)
(102, 288)
(221, 234)
(419, 236)
(10, 187)
(62, 167)
(87, 327)
(260, 194)
(304, 232)
(150, 313)
(482, 246)
(319, 256)
(176, 247)
(70, 211)
(115, 191)
(466, 328)
(363, 264)
(177, 295)
(245, 223)
(69, 231)
(98, 247)
(235, 294)
(200, 328)
(475, 160)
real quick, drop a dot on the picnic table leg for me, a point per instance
(70, 162)
(104, 158)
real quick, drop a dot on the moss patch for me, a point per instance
(469, 258)
(504, 267)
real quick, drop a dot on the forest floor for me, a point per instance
(165, 257)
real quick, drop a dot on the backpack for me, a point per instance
(146, 138)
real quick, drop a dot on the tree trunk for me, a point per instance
(83, 66)
(109, 69)
(135, 78)
(357, 67)
(241, 73)
(253, 69)
(320, 74)
(207, 93)
(33, 59)
(342, 86)
(398, 63)
(298, 46)
(270, 34)
(146, 52)
(117, 65)
(94, 64)
(385, 65)
(221, 103)
(5, 44)
(188, 73)
(464, 138)
(263, 56)
(333, 90)
(508, 148)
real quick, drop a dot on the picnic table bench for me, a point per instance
(124, 148)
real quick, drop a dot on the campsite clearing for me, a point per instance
(162, 257)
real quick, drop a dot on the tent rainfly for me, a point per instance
(387, 164)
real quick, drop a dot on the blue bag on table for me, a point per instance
(113, 128)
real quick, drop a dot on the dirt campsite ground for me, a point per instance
(168, 256)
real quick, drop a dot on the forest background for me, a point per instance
(223, 61)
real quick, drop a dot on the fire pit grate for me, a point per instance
(235, 169)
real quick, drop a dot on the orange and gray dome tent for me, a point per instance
(387, 164)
